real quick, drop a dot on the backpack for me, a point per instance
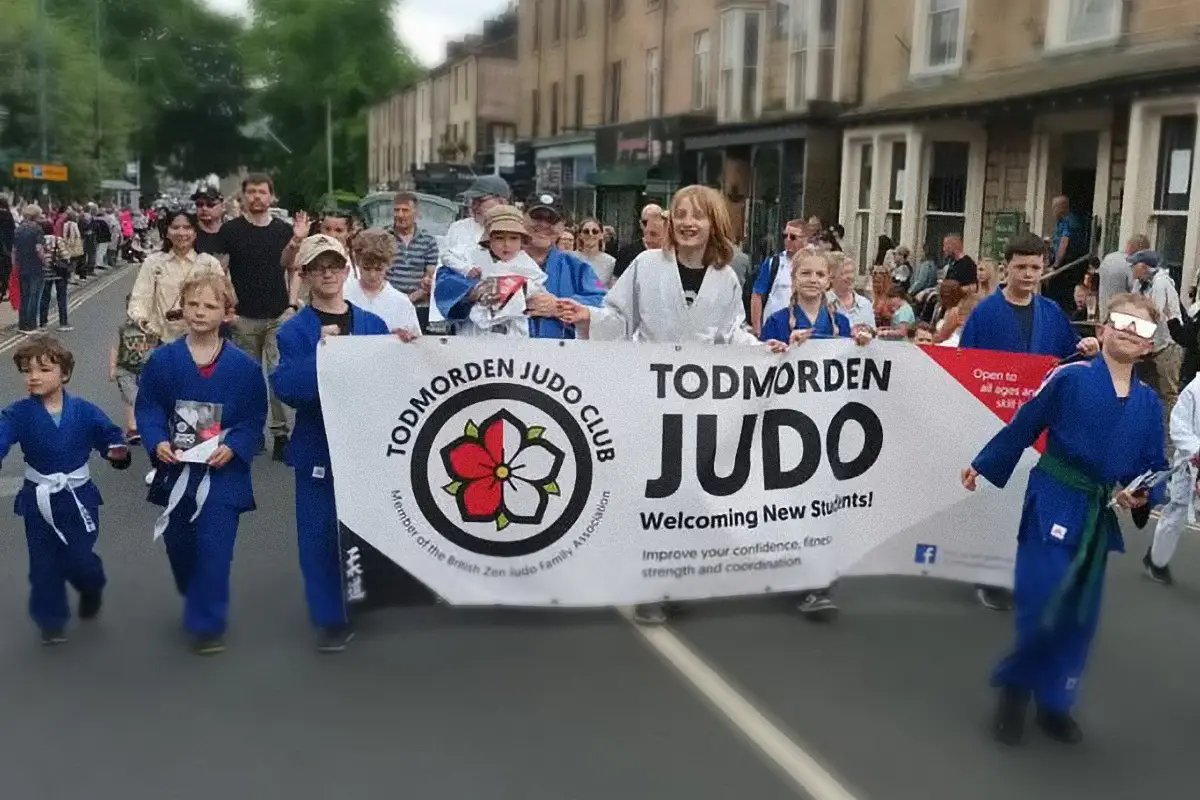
(748, 287)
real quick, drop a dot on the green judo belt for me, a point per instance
(1099, 523)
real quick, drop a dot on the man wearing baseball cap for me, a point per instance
(462, 237)
(210, 213)
(567, 275)
(1152, 278)
(323, 264)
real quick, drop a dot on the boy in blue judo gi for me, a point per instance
(201, 408)
(567, 276)
(1018, 320)
(60, 504)
(1104, 430)
(323, 265)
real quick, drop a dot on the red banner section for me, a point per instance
(1001, 381)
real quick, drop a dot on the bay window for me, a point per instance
(812, 40)
(742, 34)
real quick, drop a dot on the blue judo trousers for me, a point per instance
(62, 529)
(203, 505)
(1096, 442)
(295, 383)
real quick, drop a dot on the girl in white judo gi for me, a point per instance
(685, 292)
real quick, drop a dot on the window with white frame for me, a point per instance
(1173, 185)
(946, 193)
(653, 76)
(938, 38)
(700, 50)
(811, 43)
(742, 32)
(896, 186)
(862, 212)
(1079, 23)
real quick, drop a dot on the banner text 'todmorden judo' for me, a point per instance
(536, 473)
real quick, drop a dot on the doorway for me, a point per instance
(1076, 155)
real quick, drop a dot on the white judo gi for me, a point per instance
(1180, 508)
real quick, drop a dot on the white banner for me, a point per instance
(536, 473)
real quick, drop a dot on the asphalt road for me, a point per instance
(889, 703)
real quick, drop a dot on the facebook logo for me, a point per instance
(926, 554)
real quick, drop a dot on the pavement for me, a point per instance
(734, 700)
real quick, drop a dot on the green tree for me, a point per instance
(75, 82)
(304, 52)
(185, 63)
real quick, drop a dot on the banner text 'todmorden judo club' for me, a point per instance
(536, 473)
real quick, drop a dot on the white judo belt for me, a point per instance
(177, 493)
(46, 486)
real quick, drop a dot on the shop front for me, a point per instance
(519, 171)
(638, 163)
(769, 172)
(563, 166)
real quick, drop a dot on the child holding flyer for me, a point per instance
(61, 506)
(202, 408)
(1104, 430)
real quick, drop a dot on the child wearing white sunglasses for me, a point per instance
(1104, 430)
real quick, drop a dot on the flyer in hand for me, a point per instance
(196, 431)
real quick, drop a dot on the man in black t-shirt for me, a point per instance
(210, 212)
(654, 229)
(961, 267)
(254, 246)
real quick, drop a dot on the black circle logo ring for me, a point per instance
(423, 447)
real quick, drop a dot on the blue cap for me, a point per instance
(1147, 257)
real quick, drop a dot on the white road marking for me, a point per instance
(803, 771)
(75, 302)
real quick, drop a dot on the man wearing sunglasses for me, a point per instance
(1017, 320)
(654, 232)
(210, 213)
(773, 283)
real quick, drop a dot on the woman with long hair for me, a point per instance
(684, 292)
(956, 305)
(591, 250)
(881, 289)
(155, 305)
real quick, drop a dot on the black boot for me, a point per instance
(89, 604)
(1008, 726)
(1059, 726)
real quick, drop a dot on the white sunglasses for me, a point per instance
(1143, 328)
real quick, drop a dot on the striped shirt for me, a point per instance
(411, 261)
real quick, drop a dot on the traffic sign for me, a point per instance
(40, 172)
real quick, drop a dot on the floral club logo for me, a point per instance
(501, 470)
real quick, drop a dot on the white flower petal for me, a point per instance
(534, 464)
(522, 500)
(512, 439)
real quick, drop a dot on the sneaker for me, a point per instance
(89, 604)
(66, 328)
(133, 437)
(1059, 726)
(1008, 726)
(650, 614)
(334, 640)
(53, 637)
(150, 476)
(994, 597)
(279, 452)
(1156, 573)
(208, 645)
(818, 607)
